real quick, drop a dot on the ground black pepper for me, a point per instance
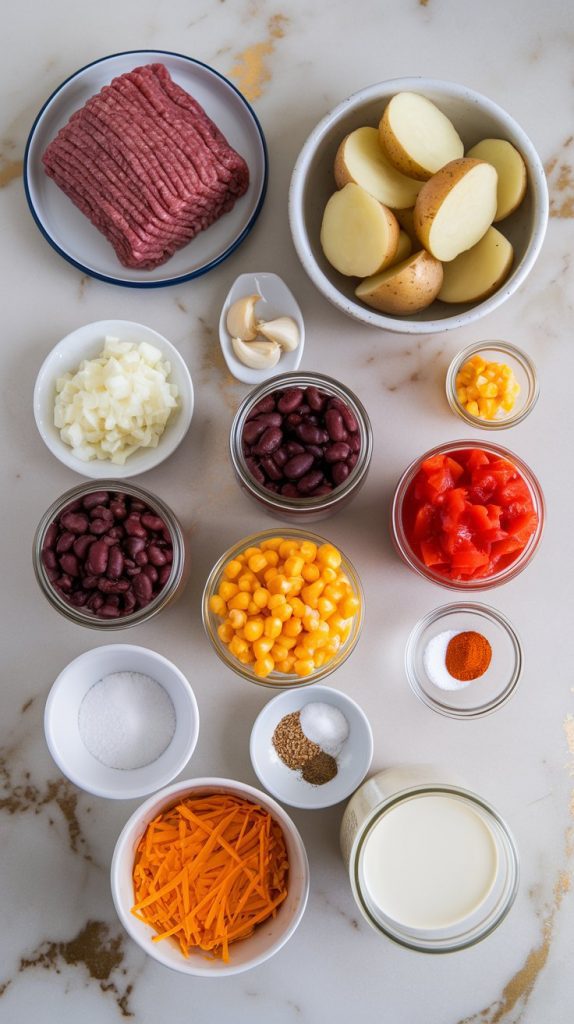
(319, 769)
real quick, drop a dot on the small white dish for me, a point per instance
(72, 235)
(87, 342)
(62, 730)
(287, 785)
(268, 938)
(276, 300)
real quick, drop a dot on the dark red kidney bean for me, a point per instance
(90, 582)
(298, 465)
(136, 505)
(101, 512)
(334, 424)
(65, 542)
(355, 442)
(255, 471)
(53, 574)
(109, 611)
(316, 450)
(97, 560)
(272, 486)
(79, 598)
(81, 544)
(51, 536)
(293, 420)
(269, 441)
(151, 572)
(352, 460)
(133, 545)
(75, 522)
(270, 419)
(141, 558)
(168, 552)
(49, 558)
(309, 433)
(252, 431)
(129, 602)
(155, 555)
(293, 448)
(118, 509)
(337, 452)
(98, 527)
(142, 588)
(116, 533)
(166, 535)
(133, 526)
(348, 415)
(115, 563)
(266, 404)
(95, 602)
(315, 400)
(64, 582)
(106, 586)
(322, 489)
(70, 565)
(290, 400)
(133, 570)
(310, 482)
(271, 469)
(339, 472)
(289, 491)
(90, 501)
(152, 522)
(304, 410)
(163, 575)
(280, 457)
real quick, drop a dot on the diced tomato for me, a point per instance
(431, 553)
(476, 458)
(423, 522)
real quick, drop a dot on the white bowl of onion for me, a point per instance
(114, 415)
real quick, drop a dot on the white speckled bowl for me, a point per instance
(475, 117)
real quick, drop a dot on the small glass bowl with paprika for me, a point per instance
(467, 515)
(463, 660)
(301, 446)
(492, 385)
(94, 546)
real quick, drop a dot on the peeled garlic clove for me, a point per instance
(283, 330)
(258, 355)
(241, 321)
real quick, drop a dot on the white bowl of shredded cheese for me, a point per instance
(113, 399)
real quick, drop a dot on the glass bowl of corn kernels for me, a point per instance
(492, 385)
(283, 608)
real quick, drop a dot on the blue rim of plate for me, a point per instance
(183, 277)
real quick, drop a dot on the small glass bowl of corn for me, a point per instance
(492, 385)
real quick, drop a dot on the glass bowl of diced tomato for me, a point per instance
(467, 516)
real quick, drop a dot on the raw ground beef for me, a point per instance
(147, 166)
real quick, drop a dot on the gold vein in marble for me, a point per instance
(23, 797)
(9, 170)
(560, 175)
(252, 72)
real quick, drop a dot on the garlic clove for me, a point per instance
(258, 355)
(283, 330)
(241, 321)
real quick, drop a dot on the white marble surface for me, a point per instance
(63, 955)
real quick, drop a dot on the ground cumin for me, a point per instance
(468, 655)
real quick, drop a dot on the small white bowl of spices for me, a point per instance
(121, 721)
(311, 748)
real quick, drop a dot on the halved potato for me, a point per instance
(361, 158)
(456, 207)
(359, 235)
(477, 273)
(404, 248)
(404, 288)
(511, 171)
(418, 138)
(406, 221)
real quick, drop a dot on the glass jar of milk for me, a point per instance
(432, 865)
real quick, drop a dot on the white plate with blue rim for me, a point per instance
(72, 235)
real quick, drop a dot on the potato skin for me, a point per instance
(434, 192)
(406, 288)
(397, 154)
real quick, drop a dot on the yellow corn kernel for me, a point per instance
(227, 590)
(253, 629)
(271, 557)
(217, 605)
(295, 584)
(349, 606)
(334, 593)
(241, 600)
(297, 605)
(275, 601)
(247, 582)
(328, 555)
(225, 632)
(301, 650)
(333, 644)
(257, 562)
(263, 666)
(285, 666)
(237, 618)
(279, 584)
(308, 550)
(310, 572)
(270, 574)
(262, 647)
(272, 627)
(287, 641)
(246, 657)
(260, 597)
(338, 624)
(329, 575)
(284, 612)
(293, 565)
(287, 548)
(320, 657)
(278, 652)
(312, 592)
(304, 666)
(292, 627)
(237, 646)
(252, 608)
(271, 544)
(325, 607)
(232, 569)
(310, 621)
(249, 552)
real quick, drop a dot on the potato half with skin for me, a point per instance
(404, 288)
(361, 158)
(455, 207)
(359, 236)
(479, 272)
(404, 248)
(417, 137)
(406, 221)
(511, 171)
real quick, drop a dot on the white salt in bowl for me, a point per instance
(62, 730)
(287, 785)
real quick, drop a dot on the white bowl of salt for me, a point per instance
(121, 721)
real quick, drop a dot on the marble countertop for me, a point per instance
(64, 955)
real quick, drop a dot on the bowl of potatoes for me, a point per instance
(418, 205)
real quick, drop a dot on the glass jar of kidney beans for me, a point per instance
(109, 555)
(301, 445)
